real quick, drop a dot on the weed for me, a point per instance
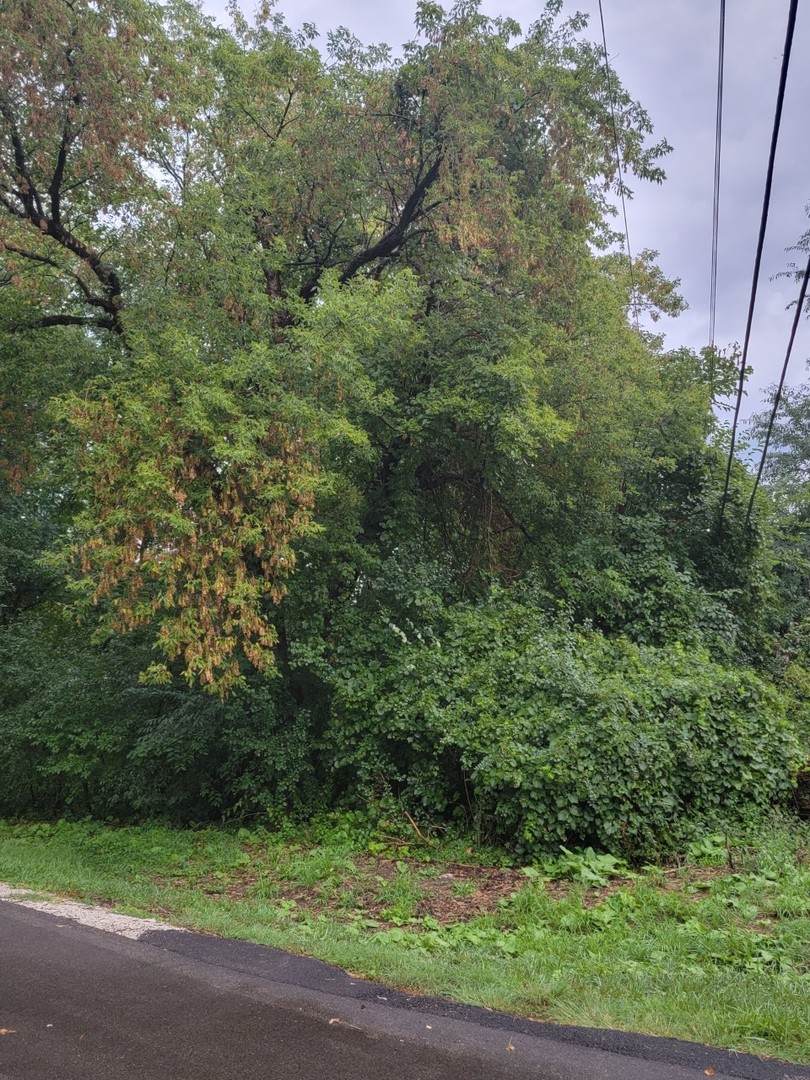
(586, 866)
(399, 894)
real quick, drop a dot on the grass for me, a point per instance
(714, 948)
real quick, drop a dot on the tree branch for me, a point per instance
(32, 211)
(28, 196)
(392, 239)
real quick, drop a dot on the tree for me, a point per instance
(787, 466)
(87, 94)
(212, 210)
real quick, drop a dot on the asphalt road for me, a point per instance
(77, 1003)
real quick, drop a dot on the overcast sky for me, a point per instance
(665, 53)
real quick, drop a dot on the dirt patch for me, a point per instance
(389, 891)
(694, 880)
(458, 893)
(213, 885)
(452, 893)
(368, 888)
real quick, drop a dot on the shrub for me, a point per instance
(491, 713)
(80, 735)
(553, 736)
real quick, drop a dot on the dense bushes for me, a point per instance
(548, 735)
(81, 735)
(491, 713)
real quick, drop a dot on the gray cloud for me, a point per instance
(667, 56)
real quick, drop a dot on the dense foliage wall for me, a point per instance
(332, 467)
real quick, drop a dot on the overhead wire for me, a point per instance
(780, 98)
(778, 395)
(718, 141)
(612, 103)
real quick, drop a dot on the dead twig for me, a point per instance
(415, 828)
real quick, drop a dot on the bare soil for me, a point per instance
(450, 893)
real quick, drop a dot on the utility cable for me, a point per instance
(780, 98)
(778, 395)
(619, 166)
(718, 140)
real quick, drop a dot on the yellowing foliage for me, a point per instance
(197, 498)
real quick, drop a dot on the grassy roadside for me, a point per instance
(715, 948)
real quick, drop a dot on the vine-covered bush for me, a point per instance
(548, 735)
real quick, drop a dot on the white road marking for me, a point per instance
(127, 926)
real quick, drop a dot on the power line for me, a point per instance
(718, 139)
(619, 166)
(778, 395)
(780, 98)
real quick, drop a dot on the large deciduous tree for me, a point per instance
(293, 272)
